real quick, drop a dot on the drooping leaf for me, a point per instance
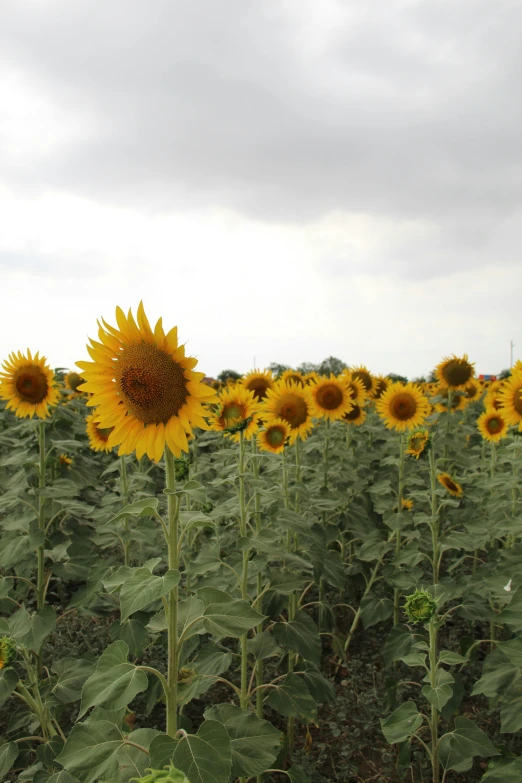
(8, 755)
(91, 751)
(461, 745)
(402, 723)
(301, 635)
(115, 682)
(255, 742)
(292, 697)
(143, 588)
(205, 757)
(234, 618)
(145, 506)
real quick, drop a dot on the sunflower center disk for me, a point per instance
(494, 425)
(330, 397)
(457, 373)
(259, 387)
(404, 407)
(353, 414)
(517, 402)
(31, 385)
(275, 436)
(74, 381)
(365, 377)
(151, 383)
(233, 411)
(292, 409)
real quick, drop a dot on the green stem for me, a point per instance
(434, 711)
(244, 573)
(125, 495)
(398, 543)
(40, 590)
(172, 619)
(434, 524)
(259, 599)
(449, 409)
(357, 617)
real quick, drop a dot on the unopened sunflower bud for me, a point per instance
(7, 651)
(167, 775)
(420, 607)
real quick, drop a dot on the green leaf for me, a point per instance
(161, 751)
(8, 755)
(263, 645)
(143, 507)
(115, 682)
(511, 712)
(414, 659)
(20, 624)
(61, 777)
(188, 611)
(292, 697)
(301, 635)
(133, 761)
(464, 743)
(297, 774)
(72, 675)
(234, 618)
(255, 743)
(205, 757)
(402, 723)
(42, 623)
(91, 750)
(451, 658)
(504, 771)
(132, 632)
(8, 682)
(375, 609)
(143, 588)
(399, 643)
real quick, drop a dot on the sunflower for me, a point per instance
(98, 436)
(65, 460)
(144, 386)
(356, 416)
(310, 376)
(274, 436)
(331, 397)
(380, 384)
(406, 505)
(454, 372)
(448, 483)
(510, 399)
(418, 442)
(293, 375)
(366, 377)
(292, 403)
(356, 388)
(72, 380)
(493, 426)
(236, 411)
(473, 390)
(259, 383)
(28, 385)
(493, 398)
(403, 406)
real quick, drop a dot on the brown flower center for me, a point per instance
(457, 372)
(403, 406)
(517, 401)
(232, 410)
(259, 386)
(74, 380)
(494, 425)
(103, 432)
(380, 388)
(329, 397)
(353, 415)
(31, 385)
(152, 385)
(275, 435)
(365, 377)
(292, 409)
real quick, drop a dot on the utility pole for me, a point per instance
(511, 345)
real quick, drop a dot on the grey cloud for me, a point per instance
(411, 110)
(39, 264)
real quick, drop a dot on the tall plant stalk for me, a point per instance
(41, 586)
(434, 523)
(398, 541)
(125, 495)
(172, 615)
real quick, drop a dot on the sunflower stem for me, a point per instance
(244, 573)
(259, 605)
(433, 628)
(125, 495)
(449, 408)
(398, 542)
(434, 524)
(172, 619)
(40, 590)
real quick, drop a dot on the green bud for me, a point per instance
(7, 651)
(167, 775)
(420, 606)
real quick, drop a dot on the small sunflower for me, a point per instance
(493, 426)
(454, 372)
(365, 376)
(418, 442)
(258, 382)
(293, 375)
(403, 406)
(510, 399)
(7, 651)
(98, 436)
(28, 385)
(406, 505)
(473, 390)
(274, 436)
(292, 403)
(310, 376)
(452, 486)
(380, 384)
(356, 416)
(237, 410)
(356, 388)
(65, 460)
(72, 380)
(331, 397)
(144, 386)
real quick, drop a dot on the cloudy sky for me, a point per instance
(283, 179)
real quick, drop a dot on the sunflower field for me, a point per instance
(306, 578)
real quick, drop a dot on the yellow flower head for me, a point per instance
(274, 436)
(356, 416)
(454, 372)
(28, 385)
(473, 390)
(72, 380)
(510, 399)
(380, 384)
(144, 386)
(418, 442)
(236, 411)
(292, 403)
(492, 426)
(98, 436)
(65, 460)
(258, 382)
(293, 375)
(364, 375)
(355, 387)
(451, 486)
(403, 406)
(331, 397)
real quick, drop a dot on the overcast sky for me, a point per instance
(283, 179)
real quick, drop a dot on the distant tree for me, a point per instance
(432, 377)
(394, 377)
(503, 375)
(306, 367)
(224, 375)
(420, 379)
(278, 369)
(332, 364)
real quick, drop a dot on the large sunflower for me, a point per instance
(331, 397)
(510, 399)
(28, 385)
(292, 403)
(448, 483)
(454, 372)
(356, 416)
(98, 436)
(403, 406)
(274, 436)
(144, 386)
(236, 411)
(259, 382)
(493, 426)
(366, 377)
(72, 381)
